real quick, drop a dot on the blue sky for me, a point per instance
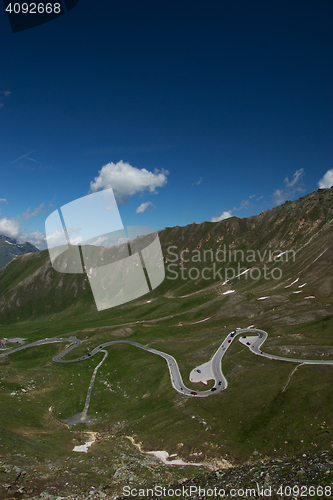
(190, 111)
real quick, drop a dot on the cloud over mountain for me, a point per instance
(126, 180)
(225, 215)
(35, 237)
(291, 188)
(327, 180)
(10, 227)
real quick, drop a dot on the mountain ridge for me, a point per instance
(10, 249)
(303, 226)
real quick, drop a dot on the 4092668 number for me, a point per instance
(34, 8)
(304, 491)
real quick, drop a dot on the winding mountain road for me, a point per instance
(211, 370)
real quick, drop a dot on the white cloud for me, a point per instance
(10, 227)
(4, 200)
(297, 175)
(126, 180)
(198, 182)
(143, 207)
(244, 204)
(56, 238)
(39, 210)
(225, 215)
(281, 195)
(99, 241)
(327, 180)
(36, 238)
(76, 241)
(6, 93)
(228, 213)
(121, 241)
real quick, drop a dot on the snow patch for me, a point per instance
(201, 321)
(164, 455)
(292, 283)
(277, 256)
(83, 448)
(161, 455)
(240, 274)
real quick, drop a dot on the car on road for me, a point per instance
(193, 392)
(213, 389)
(89, 354)
(220, 382)
(248, 343)
(229, 340)
(243, 336)
(199, 371)
(232, 334)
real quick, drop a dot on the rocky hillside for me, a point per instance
(307, 476)
(300, 229)
(275, 479)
